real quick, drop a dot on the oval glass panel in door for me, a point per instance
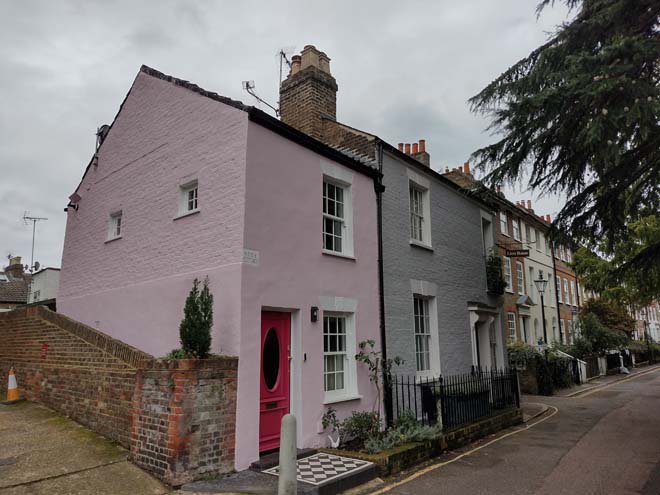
(271, 359)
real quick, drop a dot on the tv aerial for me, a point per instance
(27, 219)
(249, 86)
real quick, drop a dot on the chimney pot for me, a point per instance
(295, 64)
(529, 204)
(415, 148)
(446, 170)
(422, 145)
(400, 146)
(407, 148)
(548, 218)
(466, 167)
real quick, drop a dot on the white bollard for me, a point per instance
(287, 483)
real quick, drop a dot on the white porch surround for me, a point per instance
(482, 316)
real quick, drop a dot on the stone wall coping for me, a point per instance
(213, 363)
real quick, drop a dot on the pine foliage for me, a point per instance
(195, 328)
(581, 115)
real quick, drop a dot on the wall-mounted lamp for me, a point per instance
(315, 314)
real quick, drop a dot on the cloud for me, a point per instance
(405, 71)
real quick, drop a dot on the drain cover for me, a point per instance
(7, 461)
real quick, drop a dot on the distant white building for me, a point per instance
(44, 286)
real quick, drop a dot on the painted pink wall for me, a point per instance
(134, 288)
(283, 222)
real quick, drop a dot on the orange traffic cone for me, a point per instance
(12, 388)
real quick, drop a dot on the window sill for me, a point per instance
(343, 398)
(186, 214)
(422, 245)
(113, 239)
(509, 291)
(338, 255)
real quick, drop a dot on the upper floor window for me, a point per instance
(504, 223)
(507, 274)
(36, 296)
(567, 296)
(114, 226)
(416, 213)
(539, 240)
(337, 210)
(188, 198)
(334, 220)
(520, 276)
(516, 228)
(568, 255)
(562, 252)
(558, 288)
(528, 234)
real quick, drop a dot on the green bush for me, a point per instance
(195, 328)
(360, 426)
(405, 429)
(520, 353)
(494, 275)
(176, 354)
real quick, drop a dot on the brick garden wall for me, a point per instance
(58, 368)
(176, 417)
(184, 418)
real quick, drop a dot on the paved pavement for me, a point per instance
(43, 453)
(606, 441)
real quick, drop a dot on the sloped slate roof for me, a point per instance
(15, 291)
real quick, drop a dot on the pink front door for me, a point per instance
(274, 395)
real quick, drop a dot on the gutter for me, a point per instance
(380, 188)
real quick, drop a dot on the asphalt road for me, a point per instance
(605, 443)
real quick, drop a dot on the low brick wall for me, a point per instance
(459, 437)
(396, 459)
(176, 417)
(66, 373)
(184, 418)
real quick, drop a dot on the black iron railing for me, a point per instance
(455, 400)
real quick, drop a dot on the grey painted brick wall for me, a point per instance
(456, 266)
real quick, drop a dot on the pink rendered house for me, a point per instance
(185, 184)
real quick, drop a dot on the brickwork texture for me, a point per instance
(176, 417)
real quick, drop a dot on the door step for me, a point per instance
(272, 459)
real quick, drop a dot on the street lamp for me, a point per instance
(541, 284)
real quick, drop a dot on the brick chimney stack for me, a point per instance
(309, 93)
(15, 268)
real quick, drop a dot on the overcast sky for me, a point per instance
(404, 70)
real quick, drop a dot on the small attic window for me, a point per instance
(188, 198)
(114, 226)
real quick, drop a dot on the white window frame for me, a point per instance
(427, 291)
(562, 328)
(36, 295)
(115, 226)
(528, 234)
(185, 201)
(420, 185)
(504, 223)
(515, 223)
(569, 331)
(558, 287)
(422, 333)
(338, 177)
(532, 287)
(349, 391)
(417, 221)
(511, 325)
(568, 255)
(520, 275)
(539, 240)
(573, 293)
(562, 252)
(508, 277)
(567, 299)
